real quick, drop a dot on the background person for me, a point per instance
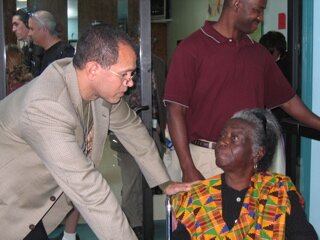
(276, 44)
(44, 33)
(52, 135)
(247, 201)
(32, 53)
(17, 72)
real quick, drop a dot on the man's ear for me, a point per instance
(235, 4)
(91, 69)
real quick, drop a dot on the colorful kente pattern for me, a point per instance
(262, 216)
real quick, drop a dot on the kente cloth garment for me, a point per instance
(262, 215)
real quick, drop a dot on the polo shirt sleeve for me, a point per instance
(181, 76)
(277, 88)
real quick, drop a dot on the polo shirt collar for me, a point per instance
(210, 32)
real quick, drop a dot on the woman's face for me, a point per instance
(234, 148)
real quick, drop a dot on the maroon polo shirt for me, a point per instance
(214, 77)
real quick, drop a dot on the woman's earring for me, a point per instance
(255, 167)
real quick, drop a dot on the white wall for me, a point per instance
(187, 16)
(271, 16)
(72, 28)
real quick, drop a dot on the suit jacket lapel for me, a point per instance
(101, 113)
(73, 89)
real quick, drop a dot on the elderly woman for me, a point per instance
(246, 201)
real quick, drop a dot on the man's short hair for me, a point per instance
(100, 43)
(23, 14)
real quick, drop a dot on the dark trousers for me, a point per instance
(38, 233)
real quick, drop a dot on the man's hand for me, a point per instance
(176, 187)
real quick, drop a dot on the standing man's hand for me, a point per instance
(192, 175)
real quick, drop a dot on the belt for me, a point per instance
(204, 143)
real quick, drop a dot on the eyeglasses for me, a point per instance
(125, 77)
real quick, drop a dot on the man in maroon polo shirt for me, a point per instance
(215, 72)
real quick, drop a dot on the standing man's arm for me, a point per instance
(178, 133)
(296, 108)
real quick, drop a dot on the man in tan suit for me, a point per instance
(47, 158)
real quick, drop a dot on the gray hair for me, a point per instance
(266, 133)
(47, 20)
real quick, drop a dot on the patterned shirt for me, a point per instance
(262, 215)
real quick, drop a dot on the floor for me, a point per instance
(85, 233)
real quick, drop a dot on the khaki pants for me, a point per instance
(204, 160)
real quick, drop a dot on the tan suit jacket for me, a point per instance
(42, 138)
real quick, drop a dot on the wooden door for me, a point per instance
(10, 7)
(95, 11)
(159, 39)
